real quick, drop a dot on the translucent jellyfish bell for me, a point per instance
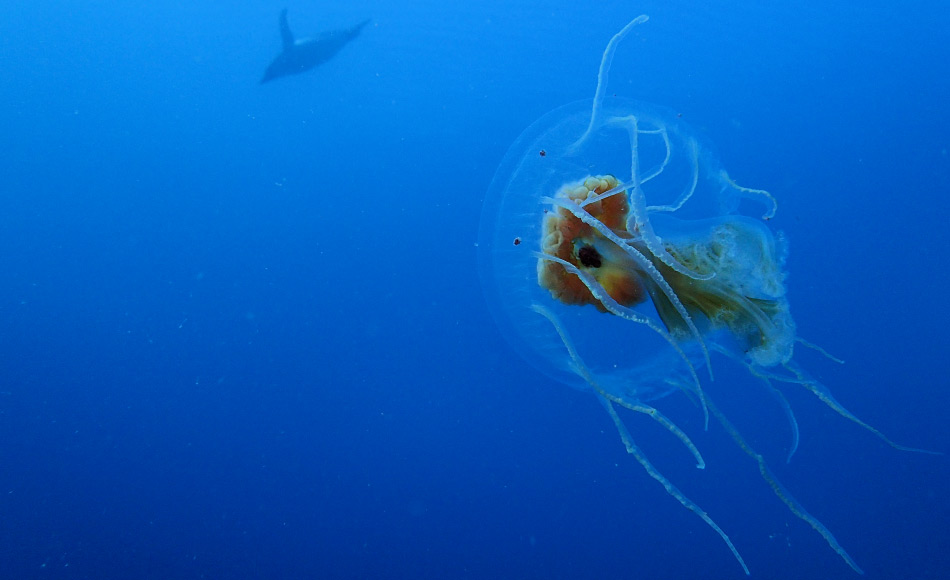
(618, 256)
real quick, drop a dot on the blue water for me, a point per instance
(242, 333)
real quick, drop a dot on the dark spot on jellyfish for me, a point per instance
(680, 115)
(542, 153)
(517, 241)
(589, 257)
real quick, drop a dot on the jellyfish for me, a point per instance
(620, 258)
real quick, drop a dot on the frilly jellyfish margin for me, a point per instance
(619, 257)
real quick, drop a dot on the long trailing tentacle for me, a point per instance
(776, 393)
(581, 369)
(789, 415)
(608, 401)
(782, 493)
(814, 346)
(605, 63)
(825, 396)
(662, 419)
(671, 489)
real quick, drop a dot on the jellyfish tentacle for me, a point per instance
(783, 494)
(671, 489)
(638, 208)
(825, 396)
(603, 72)
(642, 261)
(773, 205)
(690, 189)
(599, 197)
(617, 309)
(580, 367)
(814, 346)
(631, 447)
(662, 419)
(779, 397)
(789, 414)
(669, 152)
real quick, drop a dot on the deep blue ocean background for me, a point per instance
(242, 333)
